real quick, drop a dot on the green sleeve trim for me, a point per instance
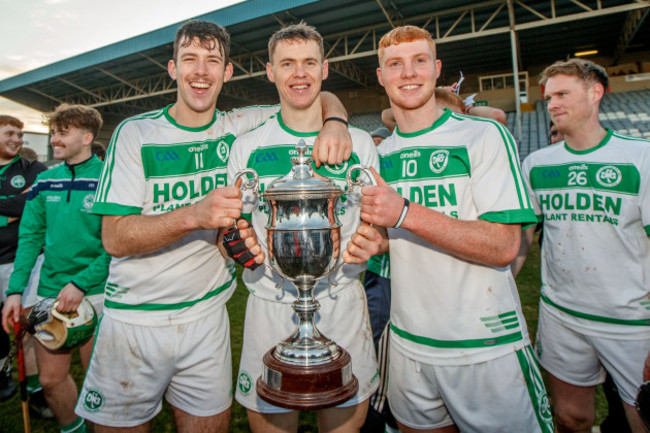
(642, 322)
(647, 230)
(540, 220)
(115, 209)
(458, 344)
(514, 216)
(4, 221)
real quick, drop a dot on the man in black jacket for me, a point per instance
(16, 177)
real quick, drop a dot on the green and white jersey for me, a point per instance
(153, 166)
(595, 205)
(445, 310)
(268, 149)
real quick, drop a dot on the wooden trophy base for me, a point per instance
(309, 387)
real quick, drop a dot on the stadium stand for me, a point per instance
(626, 113)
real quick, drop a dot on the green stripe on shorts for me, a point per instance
(536, 390)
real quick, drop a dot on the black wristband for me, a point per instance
(337, 119)
(402, 216)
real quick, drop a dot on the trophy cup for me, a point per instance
(306, 371)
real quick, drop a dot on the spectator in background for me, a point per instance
(487, 112)
(29, 154)
(98, 149)
(379, 135)
(17, 174)
(555, 134)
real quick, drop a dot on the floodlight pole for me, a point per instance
(515, 68)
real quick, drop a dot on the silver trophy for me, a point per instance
(308, 370)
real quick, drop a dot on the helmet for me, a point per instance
(56, 330)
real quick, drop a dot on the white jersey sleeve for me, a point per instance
(248, 118)
(525, 169)
(644, 191)
(121, 189)
(496, 162)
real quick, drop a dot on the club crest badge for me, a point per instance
(438, 161)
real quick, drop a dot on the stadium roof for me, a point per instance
(130, 76)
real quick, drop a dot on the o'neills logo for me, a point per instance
(438, 160)
(609, 176)
(407, 155)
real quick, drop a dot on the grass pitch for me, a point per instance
(528, 282)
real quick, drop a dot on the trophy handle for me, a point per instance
(252, 184)
(362, 168)
(352, 184)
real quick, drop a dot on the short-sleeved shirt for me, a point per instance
(268, 149)
(445, 310)
(595, 206)
(153, 166)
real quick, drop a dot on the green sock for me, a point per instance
(33, 384)
(76, 426)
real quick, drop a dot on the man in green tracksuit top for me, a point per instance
(58, 218)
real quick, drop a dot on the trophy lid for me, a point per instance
(301, 181)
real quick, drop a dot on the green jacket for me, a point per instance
(58, 218)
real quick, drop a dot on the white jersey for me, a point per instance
(153, 166)
(445, 310)
(268, 149)
(595, 205)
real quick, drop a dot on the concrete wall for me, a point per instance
(38, 142)
(364, 100)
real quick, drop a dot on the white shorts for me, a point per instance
(506, 394)
(343, 318)
(133, 366)
(29, 295)
(581, 360)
